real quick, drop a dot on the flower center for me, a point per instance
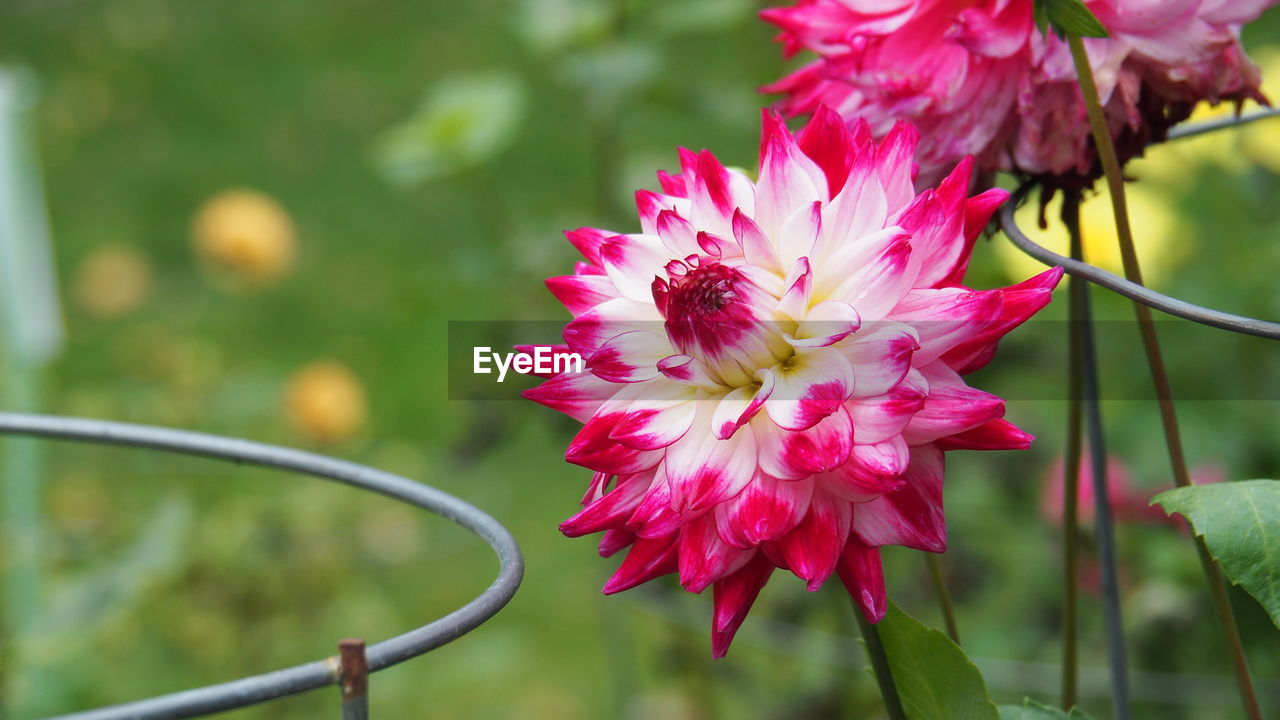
(704, 306)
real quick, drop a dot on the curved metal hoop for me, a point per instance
(1115, 283)
(300, 678)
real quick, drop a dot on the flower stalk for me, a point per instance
(1071, 463)
(944, 596)
(880, 666)
(1104, 525)
(1155, 359)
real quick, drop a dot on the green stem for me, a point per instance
(880, 665)
(1151, 344)
(944, 596)
(1071, 462)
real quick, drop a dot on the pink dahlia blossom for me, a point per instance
(774, 367)
(1130, 504)
(978, 78)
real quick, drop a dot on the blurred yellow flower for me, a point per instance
(1158, 239)
(114, 280)
(244, 236)
(1260, 141)
(325, 401)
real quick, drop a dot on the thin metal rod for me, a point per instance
(1121, 286)
(1071, 461)
(944, 595)
(1188, 130)
(268, 686)
(1155, 359)
(1104, 522)
(880, 666)
(355, 679)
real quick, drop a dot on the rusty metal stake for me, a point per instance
(354, 679)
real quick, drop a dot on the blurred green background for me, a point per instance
(414, 164)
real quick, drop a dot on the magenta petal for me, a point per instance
(713, 201)
(734, 596)
(880, 354)
(825, 324)
(947, 318)
(654, 425)
(593, 448)
(863, 576)
(580, 293)
(739, 406)
(766, 510)
(588, 331)
(936, 223)
(854, 482)
(673, 185)
(896, 160)
(810, 386)
(578, 395)
(977, 213)
(647, 559)
(1018, 303)
(655, 517)
(824, 446)
(630, 356)
(678, 235)
(789, 180)
(610, 511)
(632, 261)
(703, 470)
(882, 417)
(999, 434)
(888, 458)
(951, 407)
(756, 247)
(799, 283)
(812, 549)
(827, 142)
(704, 557)
(588, 241)
(614, 540)
(913, 515)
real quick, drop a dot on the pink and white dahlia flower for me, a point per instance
(978, 78)
(774, 368)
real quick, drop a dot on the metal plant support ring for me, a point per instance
(268, 686)
(1133, 291)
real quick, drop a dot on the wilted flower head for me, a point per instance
(979, 78)
(774, 367)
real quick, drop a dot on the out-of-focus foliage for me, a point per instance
(1032, 710)
(461, 123)
(149, 108)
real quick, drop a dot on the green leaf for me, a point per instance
(1071, 16)
(1240, 522)
(1042, 16)
(1032, 710)
(935, 679)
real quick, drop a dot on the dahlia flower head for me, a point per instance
(774, 367)
(978, 78)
